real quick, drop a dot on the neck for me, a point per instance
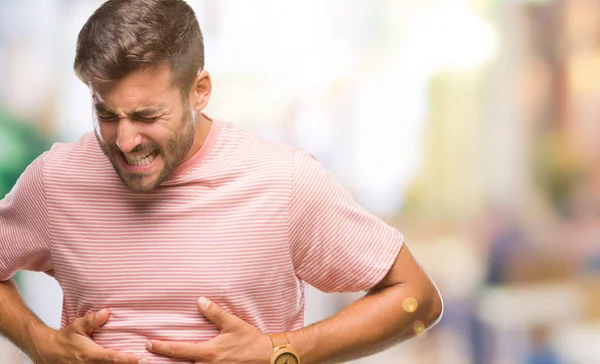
(203, 125)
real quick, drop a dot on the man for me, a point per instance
(162, 212)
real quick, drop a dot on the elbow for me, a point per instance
(437, 308)
(434, 307)
(429, 307)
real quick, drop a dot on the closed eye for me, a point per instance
(107, 117)
(148, 119)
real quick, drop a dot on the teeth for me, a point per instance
(139, 160)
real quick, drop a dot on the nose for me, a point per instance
(127, 136)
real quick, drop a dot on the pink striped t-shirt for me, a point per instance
(245, 222)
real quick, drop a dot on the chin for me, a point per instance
(143, 184)
(140, 188)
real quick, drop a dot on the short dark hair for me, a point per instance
(123, 36)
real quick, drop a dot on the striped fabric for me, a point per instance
(245, 222)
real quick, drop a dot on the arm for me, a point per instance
(17, 323)
(24, 244)
(376, 321)
(45, 345)
(369, 255)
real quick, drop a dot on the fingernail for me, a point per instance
(100, 314)
(203, 302)
(148, 346)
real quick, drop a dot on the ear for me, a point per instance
(201, 90)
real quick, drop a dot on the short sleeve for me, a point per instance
(336, 245)
(24, 233)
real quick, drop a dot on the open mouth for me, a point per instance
(140, 159)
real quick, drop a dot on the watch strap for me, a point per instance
(279, 340)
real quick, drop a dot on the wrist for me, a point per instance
(43, 341)
(265, 356)
(282, 350)
(297, 341)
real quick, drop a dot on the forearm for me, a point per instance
(17, 322)
(369, 325)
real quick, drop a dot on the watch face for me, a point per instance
(286, 358)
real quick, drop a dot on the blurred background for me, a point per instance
(471, 126)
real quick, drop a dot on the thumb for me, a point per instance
(223, 319)
(87, 324)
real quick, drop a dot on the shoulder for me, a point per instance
(85, 150)
(252, 149)
(80, 159)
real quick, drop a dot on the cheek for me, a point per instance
(163, 133)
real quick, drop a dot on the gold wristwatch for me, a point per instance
(283, 353)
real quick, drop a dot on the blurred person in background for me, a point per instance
(541, 348)
(163, 211)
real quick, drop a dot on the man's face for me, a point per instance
(143, 127)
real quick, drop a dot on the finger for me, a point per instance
(87, 324)
(177, 349)
(112, 357)
(216, 314)
(94, 353)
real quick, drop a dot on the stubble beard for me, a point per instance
(176, 149)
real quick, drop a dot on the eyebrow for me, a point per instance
(142, 111)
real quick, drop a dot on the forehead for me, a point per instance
(140, 88)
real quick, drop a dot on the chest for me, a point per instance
(156, 252)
